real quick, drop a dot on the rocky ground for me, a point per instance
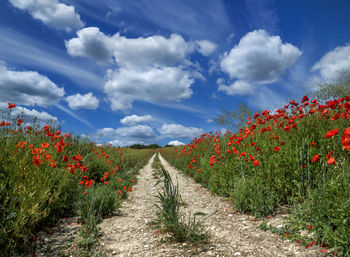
(231, 234)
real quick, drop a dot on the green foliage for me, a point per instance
(282, 159)
(253, 194)
(168, 213)
(34, 193)
(327, 209)
(139, 146)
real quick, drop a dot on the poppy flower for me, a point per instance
(11, 105)
(346, 139)
(315, 158)
(331, 133)
(331, 161)
(329, 155)
(44, 145)
(276, 149)
(256, 163)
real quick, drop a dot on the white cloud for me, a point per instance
(152, 69)
(124, 86)
(206, 47)
(138, 134)
(92, 43)
(51, 13)
(175, 143)
(334, 63)
(209, 120)
(78, 101)
(28, 88)
(259, 58)
(134, 119)
(239, 87)
(156, 51)
(179, 131)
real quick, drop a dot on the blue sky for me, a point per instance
(159, 71)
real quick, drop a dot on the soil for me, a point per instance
(231, 234)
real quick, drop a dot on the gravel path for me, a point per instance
(231, 234)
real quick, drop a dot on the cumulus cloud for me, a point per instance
(92, 43)
(28, 88)
(124, 86)
(334, 63)
(52, 13)
(179, 131)
(152, 69)
(134, 119)
(239, 87)
(78, 101)
(138, 134)
(206, 47)
(176, 143)
(157, 51)
(259, 58)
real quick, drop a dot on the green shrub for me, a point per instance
(254, 195)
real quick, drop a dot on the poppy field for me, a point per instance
(46, 174)
(297, 157)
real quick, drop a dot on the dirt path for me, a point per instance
(231, 234)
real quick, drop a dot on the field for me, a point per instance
(46, 175)
(296, 159)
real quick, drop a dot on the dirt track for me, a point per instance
(231, 234)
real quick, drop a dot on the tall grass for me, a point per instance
(46, 174)
(168, 213)
(297, 156)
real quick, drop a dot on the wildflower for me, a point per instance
(11, 105)
(276, 149)
(331, 133)
(130, 189)
(309, 226)
(120, 180)
(44, 145)
(315, 158)
(19, 122)
(106, 182)
(119, 192)
(331, 161)
(329, 155)
(346, 139)
(256, 163)
(36, 160)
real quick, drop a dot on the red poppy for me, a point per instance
(276, 149)
(44, 145)
(36, 160)
(11, 106)
(315, 158)
(331, 161)
(331, 133)
(19, 122)
(345, 141)
(329, 155)
(256, 163)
